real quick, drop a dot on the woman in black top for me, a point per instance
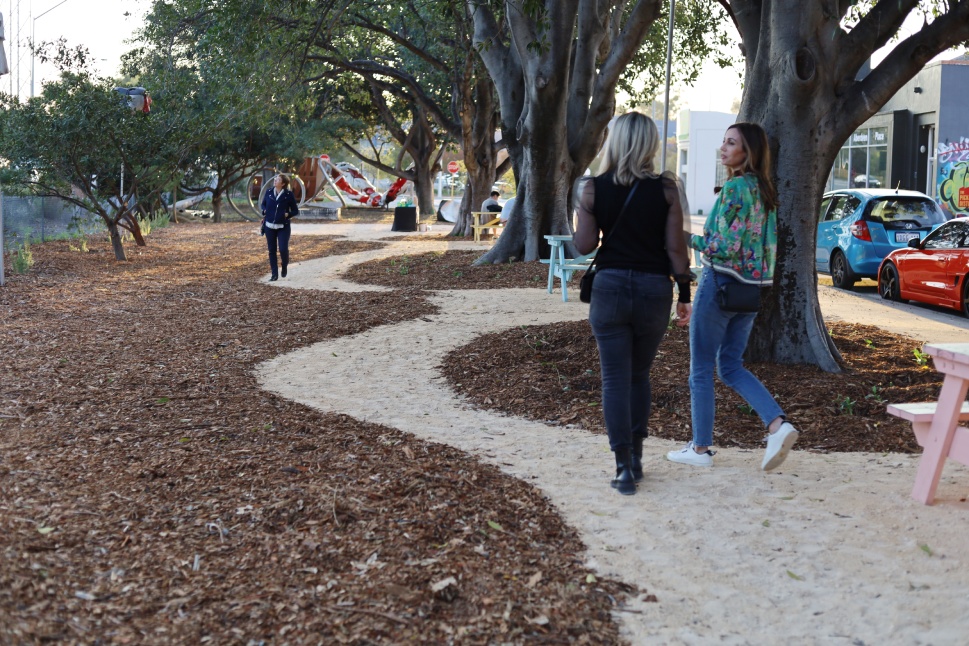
(278, 207)
(632, 296)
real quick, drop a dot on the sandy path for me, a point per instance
(827, 550)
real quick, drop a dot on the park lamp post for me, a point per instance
(4, 69)
(666, 106)
(33, 43)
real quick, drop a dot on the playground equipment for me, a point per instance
(189, 202)
(350, 183)
(315, 177)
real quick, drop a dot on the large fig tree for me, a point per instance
(803, 83)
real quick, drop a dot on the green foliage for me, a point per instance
(847, 405)
(921, 358)
(23, 258)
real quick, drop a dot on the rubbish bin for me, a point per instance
(405, 218)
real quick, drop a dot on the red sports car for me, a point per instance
(934, 270)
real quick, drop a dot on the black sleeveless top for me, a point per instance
(640, 242)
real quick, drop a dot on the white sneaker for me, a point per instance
(688, 455)
(778, 446)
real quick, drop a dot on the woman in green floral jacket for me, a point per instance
(738, 245)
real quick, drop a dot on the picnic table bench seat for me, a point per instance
(921, 415)
(493, 220)
(936, 424)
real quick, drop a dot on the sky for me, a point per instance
(103, 31)
(99, 25)
(717, 89)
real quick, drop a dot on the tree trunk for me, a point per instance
(116, 243)
(802, 86)
(479, 121)
(216, 205)
(424, 187)
(556, 99)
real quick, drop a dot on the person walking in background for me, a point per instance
(640, 216)
(278, 208)
(739, 244)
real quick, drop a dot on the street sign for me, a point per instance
(325, 157)
(452, 167)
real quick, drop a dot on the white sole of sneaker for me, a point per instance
(687, 462)
(786, 444)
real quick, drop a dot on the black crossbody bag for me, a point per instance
(585, 285)
(739, 297)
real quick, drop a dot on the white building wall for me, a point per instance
(698, 141)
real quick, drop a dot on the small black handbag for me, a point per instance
(585, 285)
(737, 297)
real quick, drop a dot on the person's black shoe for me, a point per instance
(637, 462)
(624, 482)
(273, 277)
(283, 274)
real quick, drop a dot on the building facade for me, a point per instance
(698, 140)
(919, 140)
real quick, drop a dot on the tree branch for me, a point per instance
(904, 62)
(872, 31)
(396, 172)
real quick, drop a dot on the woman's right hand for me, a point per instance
(683, 313)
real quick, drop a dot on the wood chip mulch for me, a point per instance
(153, 494)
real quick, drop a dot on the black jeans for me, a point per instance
(278, 237)
(629, 314)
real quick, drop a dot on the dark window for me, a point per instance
(905, 212)
(948, 236)
(842, 206)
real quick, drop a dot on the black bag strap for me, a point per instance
(615, 225)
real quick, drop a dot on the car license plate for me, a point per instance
(906, 236)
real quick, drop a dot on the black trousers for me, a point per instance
(278, 238)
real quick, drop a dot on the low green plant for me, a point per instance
(23, 258)
(869, 343)
(921, 358)
(81, 245)
(747, 409)
(847, 405)
(875, 395)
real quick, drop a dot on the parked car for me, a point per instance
(857, 228)
(932, 271)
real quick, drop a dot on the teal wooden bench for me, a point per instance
(561, 267)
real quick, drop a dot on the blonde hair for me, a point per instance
(631, 148)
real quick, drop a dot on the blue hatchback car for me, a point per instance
(859, 227)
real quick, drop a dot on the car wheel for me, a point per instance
(841, 274)
(965, 297)
(888, 284)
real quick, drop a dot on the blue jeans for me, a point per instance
(629, 314)
(720, 338)
(280, 237)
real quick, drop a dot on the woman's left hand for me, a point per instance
(683, 313)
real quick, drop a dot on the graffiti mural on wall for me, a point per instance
(953, 163)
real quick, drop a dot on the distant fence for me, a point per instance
(38, 219)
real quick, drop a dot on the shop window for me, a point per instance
(862, 162)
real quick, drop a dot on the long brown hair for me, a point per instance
(758, 162)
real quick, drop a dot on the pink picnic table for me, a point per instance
(936, 425)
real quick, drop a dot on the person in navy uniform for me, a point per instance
(278, 208)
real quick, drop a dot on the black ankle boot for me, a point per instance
(624, 482)
(637, 462)
(283, 273)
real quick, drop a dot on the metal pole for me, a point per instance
(33, 42)
(669, 63)
(2, 249)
